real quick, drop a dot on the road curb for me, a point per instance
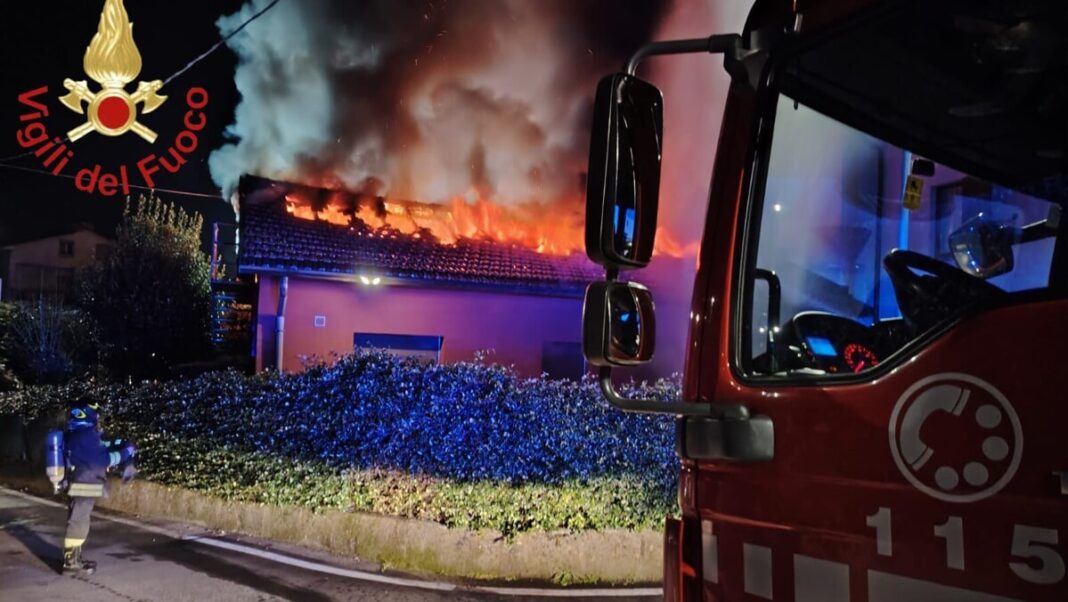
(534, 552)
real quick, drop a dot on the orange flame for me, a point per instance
(556, 229)
(298, 208)
(668, 245)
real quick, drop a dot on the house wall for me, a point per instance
(513, 326)
(38, 265)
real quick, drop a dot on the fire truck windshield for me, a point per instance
(867, 241)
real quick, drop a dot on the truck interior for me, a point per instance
(916, 174)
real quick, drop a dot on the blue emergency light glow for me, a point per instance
(903, 223)
(821, 346)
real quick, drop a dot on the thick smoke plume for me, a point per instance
(695, 93)
(445, 100)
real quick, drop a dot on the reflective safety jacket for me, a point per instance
(88, 461)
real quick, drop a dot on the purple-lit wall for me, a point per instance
(514, 326)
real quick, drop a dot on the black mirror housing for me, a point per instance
(922, 167)
(623, 183)
(618, 324)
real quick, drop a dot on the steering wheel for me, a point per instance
(925, 300)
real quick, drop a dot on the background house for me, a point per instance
(330, 285)
(45, 266)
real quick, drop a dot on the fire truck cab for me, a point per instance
(873, 406)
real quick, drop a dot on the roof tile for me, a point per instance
(274, 240)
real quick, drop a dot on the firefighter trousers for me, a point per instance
(81, 509)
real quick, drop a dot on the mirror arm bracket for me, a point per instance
(729, 44)
(677, 408)
(705, 431)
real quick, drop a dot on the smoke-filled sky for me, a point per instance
(448, 99)
(695, 90)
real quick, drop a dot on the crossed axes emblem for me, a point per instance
(112, 111)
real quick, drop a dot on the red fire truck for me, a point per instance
(872, 405)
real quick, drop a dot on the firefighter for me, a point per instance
(88, 459)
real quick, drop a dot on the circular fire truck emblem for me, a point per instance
(955, 437)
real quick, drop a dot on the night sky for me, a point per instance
(45, 42)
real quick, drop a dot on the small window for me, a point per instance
(405, 345)
(66, 248)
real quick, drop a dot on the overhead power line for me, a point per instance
(224, 40)
(138, 187)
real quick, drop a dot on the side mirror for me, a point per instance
(983, 248)
(618, 324)
(623, 183)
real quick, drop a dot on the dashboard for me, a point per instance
(838, 345)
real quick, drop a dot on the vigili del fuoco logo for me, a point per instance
(113, 61)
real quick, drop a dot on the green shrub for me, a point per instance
(8, 379)
(151, 297)
(601, 503)
(464, 444)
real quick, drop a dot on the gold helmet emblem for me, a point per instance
(113, 61)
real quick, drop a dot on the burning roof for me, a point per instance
(296, 229)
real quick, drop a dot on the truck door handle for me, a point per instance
(742, 438)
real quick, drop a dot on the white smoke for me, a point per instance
(287, 109)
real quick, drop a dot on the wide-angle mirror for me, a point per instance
(619, 325)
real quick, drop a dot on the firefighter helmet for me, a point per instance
(84, 413)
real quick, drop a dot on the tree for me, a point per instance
(151, 297)
(45, 342)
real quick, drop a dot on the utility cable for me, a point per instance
(137, 186)
(224, 40)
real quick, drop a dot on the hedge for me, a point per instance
(465, 444)
(8, 314)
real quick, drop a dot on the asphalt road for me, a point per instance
(137, 564)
